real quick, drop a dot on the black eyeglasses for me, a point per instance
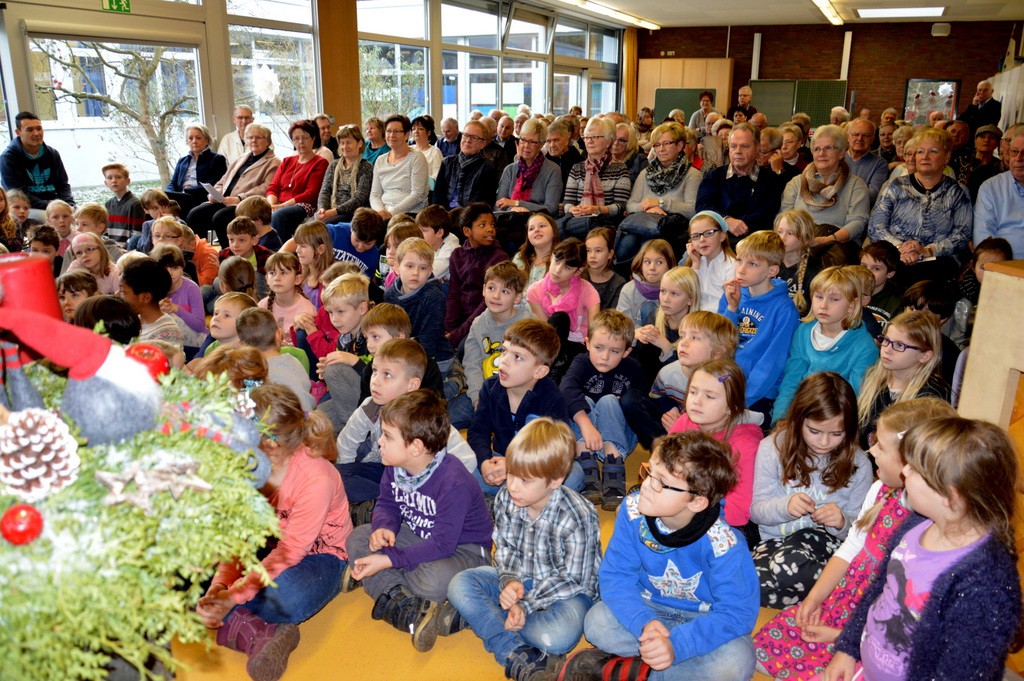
(700, 236)
(897, 345)
(656, 484)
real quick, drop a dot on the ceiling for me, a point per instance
(769, 12)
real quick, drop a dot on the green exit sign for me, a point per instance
(122, 6)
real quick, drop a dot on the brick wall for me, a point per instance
(883, 56)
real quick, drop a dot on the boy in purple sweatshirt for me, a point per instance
(466, 270)
(430, 522)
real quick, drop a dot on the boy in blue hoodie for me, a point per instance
(760, 307)
(678, 587)
(519, 393)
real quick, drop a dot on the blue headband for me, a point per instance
(714, 216)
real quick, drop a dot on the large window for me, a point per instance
(272, 72)
(493, 54)
(292, 11)
(393, 79)
(134, 99)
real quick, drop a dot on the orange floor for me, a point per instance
(343, 642)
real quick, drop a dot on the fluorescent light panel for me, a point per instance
(900, 12)
(829, 11)
(612, 13)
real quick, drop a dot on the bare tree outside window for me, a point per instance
(390, 84)
(146, 92)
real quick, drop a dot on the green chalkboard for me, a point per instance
(780, 99)
(685, 98)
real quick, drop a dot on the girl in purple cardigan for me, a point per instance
(950, 600)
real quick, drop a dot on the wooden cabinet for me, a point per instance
(685, 73)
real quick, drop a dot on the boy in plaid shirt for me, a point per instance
(530, 607)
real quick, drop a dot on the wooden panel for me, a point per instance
(719, 77)
(339, 60)
(671, 73)
(695, 72)
(647, 81)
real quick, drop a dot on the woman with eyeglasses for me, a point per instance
(907, 368)
(401, 176)
(926, 214)
(664, 197)
(293, 191)
(347, 181)
(248, 175)
(529, 184)
(598, 188)
(626, 150)
(837, 199)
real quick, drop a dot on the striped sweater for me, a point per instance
(614, 180)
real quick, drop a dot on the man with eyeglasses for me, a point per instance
(741, 192)
(983, 109)
(865, 165)
(999, 210)
(468, 176)
(232, 145)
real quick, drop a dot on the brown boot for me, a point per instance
(266, 645)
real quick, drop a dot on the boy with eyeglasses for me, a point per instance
(678, 587)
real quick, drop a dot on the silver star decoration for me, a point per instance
(173, 477)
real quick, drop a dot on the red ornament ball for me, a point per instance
(21, 524)
(150, 357)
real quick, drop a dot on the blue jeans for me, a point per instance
(474, 593)
(606, 415)
(633, 231)
(573, 481)
(302, 590)
(732, 661)
(361, 479)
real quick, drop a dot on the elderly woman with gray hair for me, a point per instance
(529, 184)
(248, 175)
(664, 197)
(200, 164)
(598, 188)
(837, 199)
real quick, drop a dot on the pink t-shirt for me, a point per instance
(312, 510)
(579, 322)
(285, 316)
(744, 441)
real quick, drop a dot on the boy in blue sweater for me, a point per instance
(592, 387)
(519, 393)
(678, 587)
(760, 307)
(530, 607)
(430, 522)
(419, 294)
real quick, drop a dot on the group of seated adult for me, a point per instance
(646, 180)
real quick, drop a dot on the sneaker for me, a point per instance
(348, 582)
(441, 619)
(527, 663)
(380, 606)
(362, 512)
(613, 483)
(591, 477)
(590, 664)
(406, 611)
(268, 659)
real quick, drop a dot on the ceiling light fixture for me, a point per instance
(612, 14)
(900, 12)
(829, 11)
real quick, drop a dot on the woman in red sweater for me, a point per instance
(296, 185)
(307, 562)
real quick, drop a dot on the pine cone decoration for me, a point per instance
(38, 455)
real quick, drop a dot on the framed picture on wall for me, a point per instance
(924, 96)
